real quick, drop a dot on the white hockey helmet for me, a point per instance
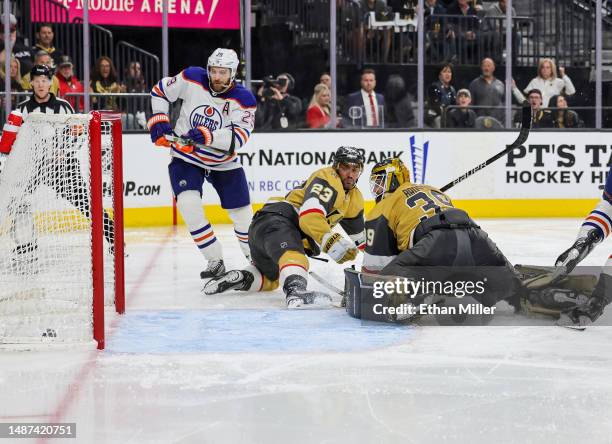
(223, 58)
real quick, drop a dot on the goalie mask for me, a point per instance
(387, 176)
(223, 58)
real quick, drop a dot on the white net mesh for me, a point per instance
(45, 232)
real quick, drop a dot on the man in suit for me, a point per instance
(365, 108)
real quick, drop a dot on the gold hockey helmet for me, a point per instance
(387, 175)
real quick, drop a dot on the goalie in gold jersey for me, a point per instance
(285, 231)
(414, 225)
(414, 231)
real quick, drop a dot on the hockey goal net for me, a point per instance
(61, 230)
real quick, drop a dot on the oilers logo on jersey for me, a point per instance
(207, 116)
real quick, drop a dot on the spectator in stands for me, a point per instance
(20, 51)
(364, 107)
(437, 32)
(15, 78)
(498, 10)
(494, 32)
(463, 30)
(489, 92)
(44, 41)
(104, 80)
(476, 4)
(318, 112)
(135, 83)
(68, 83)
(350, 31)
(540, 118)
(440, 94)
(134, 79)
(462, 117)
(380, 36)
(399, 112)
(405, 8)
(325, 79)
(563, 117)
(278, 108)
(548, 83)
(42, 58)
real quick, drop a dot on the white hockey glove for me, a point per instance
(338, 248)
(571, 257)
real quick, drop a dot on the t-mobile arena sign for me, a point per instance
(214, 14)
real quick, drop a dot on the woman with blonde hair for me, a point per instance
(15, 75)
(548, 82)
(317, 115)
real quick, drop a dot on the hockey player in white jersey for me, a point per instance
(595, 228)
(217, 114)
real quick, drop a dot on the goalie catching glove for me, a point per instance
(338, 248)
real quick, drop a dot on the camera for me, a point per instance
(270, 82)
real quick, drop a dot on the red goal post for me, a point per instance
(98, 120)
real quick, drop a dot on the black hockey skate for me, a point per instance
(583, 315)
(298, 296)
(232, 280)
(587, 313)
(214, 269)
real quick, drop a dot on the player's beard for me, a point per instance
(220, 87)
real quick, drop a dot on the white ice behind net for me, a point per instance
(45, 232)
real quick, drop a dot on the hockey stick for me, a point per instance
(191, 142)
(321, 280)
(318, 258)
(522, 137)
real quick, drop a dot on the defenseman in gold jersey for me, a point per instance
(285, 231)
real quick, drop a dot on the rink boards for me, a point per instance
(555, 174)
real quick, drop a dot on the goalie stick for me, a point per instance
(522, 137)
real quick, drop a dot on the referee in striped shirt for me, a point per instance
(42, 100)
(65, 178)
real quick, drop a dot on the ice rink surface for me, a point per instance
(181, 367)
